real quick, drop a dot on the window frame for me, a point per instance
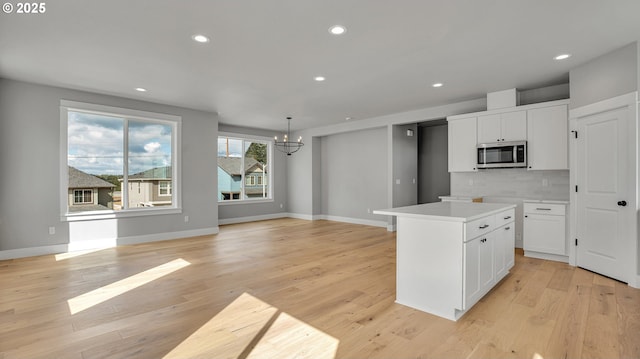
(168, 188)
(270, 159)
(67, 106)
(83, 190)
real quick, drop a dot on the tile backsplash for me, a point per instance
(512, 182)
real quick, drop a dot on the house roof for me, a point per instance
(79, 179)
(231, 165)
(153, 173)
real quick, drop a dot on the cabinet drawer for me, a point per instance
(479, 227)
(505, 217)
(544, 208)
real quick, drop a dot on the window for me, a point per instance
(244, 166)
(164, 188)
(123, 155)
(81, 196)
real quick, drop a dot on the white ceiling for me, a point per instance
(259, 66)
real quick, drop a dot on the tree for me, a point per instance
(257, 151)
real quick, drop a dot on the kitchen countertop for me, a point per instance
(549, 201)
(447, 211)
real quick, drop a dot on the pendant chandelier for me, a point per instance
(286, 146)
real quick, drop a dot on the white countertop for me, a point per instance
(549, 201)
(447, 211)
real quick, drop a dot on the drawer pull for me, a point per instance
(507, 217)
(507, 228)
(543, 209)
(483, 227)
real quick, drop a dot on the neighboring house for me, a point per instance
(88, 192)
(150, 188)
(230, 178)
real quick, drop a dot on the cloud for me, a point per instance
(152, 147)
(96, 144)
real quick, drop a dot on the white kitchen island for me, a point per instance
(450, 254)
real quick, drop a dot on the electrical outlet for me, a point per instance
(470, 181)
(369, 210)
(186, 219)
(398, 181)
(281, 205)
(545, 182)
(52, 230)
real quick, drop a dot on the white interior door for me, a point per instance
(605, 200)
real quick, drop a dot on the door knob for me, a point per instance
(622, 203)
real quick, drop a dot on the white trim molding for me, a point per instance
(102, 243)
(263, 217)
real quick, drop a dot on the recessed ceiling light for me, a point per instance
(200, 38)
(347, 118)
(437, 84)
(319, 78)
(337, 30)
(562, 57)
(140, 89)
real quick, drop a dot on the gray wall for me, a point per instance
(607, 76)
(405, 165)
(304, 172)
(354, 173)
(30, 162)
(279, 204)
(433, 170)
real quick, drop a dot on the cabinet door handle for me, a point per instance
(507, 217)
(543, 209)
(483, 227)
(507, 228)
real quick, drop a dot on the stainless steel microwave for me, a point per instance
(502, 154)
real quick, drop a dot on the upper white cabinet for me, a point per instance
(547, 130)
(508, 126)
(462, 145)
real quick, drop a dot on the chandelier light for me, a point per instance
(286, 146)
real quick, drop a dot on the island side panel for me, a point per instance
(429, 265)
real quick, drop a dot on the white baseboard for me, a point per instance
(306, 217)
(167, 236)
(552, 257)
(366, 222)
(33, 251)
(102, 243)
(252, 218)
(320, 217)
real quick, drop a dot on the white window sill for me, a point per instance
(96, 215)
(244, 201)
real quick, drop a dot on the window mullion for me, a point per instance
(125, 165)
(242, 174)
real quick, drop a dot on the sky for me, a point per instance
(96, 144)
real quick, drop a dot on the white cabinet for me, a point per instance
(504, 249)
(547, 138)
(544, 230)
(508, 126)
(446, 253)
(462, 145)
(488, 255)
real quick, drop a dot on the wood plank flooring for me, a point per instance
(294, 288)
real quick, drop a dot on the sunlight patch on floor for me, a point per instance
(251, 328)
(73, 254)
(289, 337)
(112, 290)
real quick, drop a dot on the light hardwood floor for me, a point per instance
(293, 288)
